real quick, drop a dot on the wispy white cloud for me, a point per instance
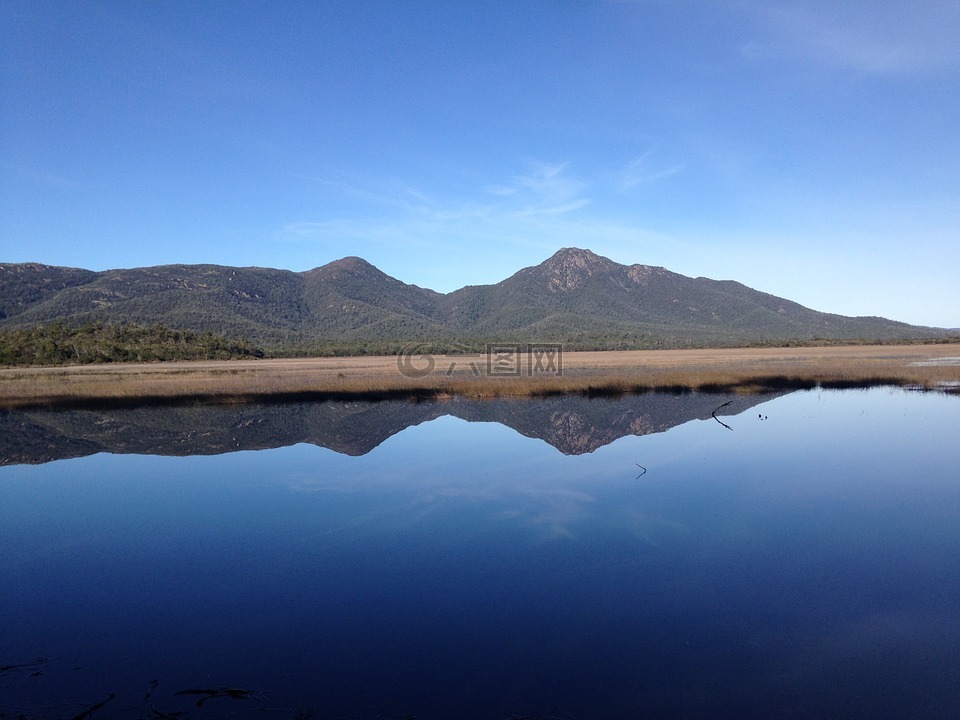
(545, 189)
(554, 209)
(402, 197)
(883, 38)
(642, 171)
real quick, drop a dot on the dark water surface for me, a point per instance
(487, 561)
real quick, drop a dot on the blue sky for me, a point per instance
(807, 149)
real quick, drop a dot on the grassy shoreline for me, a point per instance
(379, 377)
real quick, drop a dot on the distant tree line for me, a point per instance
(580, 342)
(98, 342)
(61, 344)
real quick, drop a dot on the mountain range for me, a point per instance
(575, 296)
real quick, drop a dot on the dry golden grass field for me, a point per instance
(745, 370)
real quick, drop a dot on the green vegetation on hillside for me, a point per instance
(60, 344)
(349, 307)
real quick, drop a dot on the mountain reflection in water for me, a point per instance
(804, 566)
(574, 425)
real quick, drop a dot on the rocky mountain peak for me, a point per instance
(351, 262)
(579, 257)
(349, 267)
(570, 268)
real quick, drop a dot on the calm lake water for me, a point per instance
(566, 558)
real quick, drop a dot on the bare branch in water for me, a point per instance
(90, 710)
(714, 415)
(32, 665)
(235, 693)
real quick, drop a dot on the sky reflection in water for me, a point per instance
(805, 563)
